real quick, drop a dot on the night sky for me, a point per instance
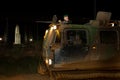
(46, 8)
(26, 13)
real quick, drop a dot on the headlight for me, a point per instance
(49, 61)
(1, 39)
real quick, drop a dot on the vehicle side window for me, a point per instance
(108, 37)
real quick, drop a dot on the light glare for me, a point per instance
(0, 39)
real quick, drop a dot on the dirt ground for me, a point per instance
(21, 69)
(20, 63)
(25, 77)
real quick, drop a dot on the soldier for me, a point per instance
(66, 19)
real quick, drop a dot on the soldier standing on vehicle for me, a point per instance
(66, 19)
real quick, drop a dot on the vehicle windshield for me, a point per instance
(76, 37)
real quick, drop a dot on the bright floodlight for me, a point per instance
(54, 27)
(30, 39)
(0, 39)
(112, 24)
(50, 62)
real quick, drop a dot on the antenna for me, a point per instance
(95, 9)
